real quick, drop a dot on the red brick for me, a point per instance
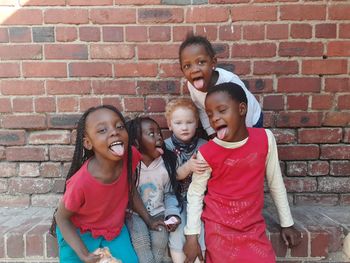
(158, 87)
(47, 200)
(45, 104)
(338, 151)
(20, 52)
(157, 51)
(57, 87)
(296, 168)
(22, 105)
(63, 121)
(113, 16)
(339, 12)
(15, 245)
(347, 135)
(21, 16)
(160, 119)
(67, 104)
(14, 201)
(50, 170)
(302, 12)
(337, 84)
(297, 102)
(338, 48)
(160, 15)
(344, 30)
(299, 85)
(44, 69)
(28, 170)
(66, 51)
(49, 137)
(345, 199)
(275, 67)
(316, 199)
(244, 68)
(66, 34)
(277, 31)
(121, 87)
(302, 249)
(273, 102)
(113, 34)
(221, 50)
(51, 246)
(284, 135)
(210, 32)
(170, 70)
(327, 67)
(42, 2)
(231, 33)
(336, 119)
(254, 50)
(137, 2)
(136, 69)
(2, 153)
(303, 31)
(299, 119)
(24, 121)
(115, 51)
(8, 169)
(134, 104)
(20, 34)
(90, 69)
(320, 135)
(5, 105)
(155, 104)
(343, 102)
(326, 31)
(278, 245)
(340, 168)
(4, 36)
(254, 32)
(89, 2)
(318, 168)
(86, 103)
(61, 153)
(34, 240)
(300, 49)
(228, 1)
(207, 14)
(66, 16)
(254, 13)
(9, 70)
(322, 102)
(29, 185)
(299, 185)
(22, 87)
(12, 137)
(17, 153)
(298, 152)
(180, 32)
(334, 184)
(115, 101)
(159, 33)
(136, 34)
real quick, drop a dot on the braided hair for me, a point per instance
(82, 154)
(169, 158)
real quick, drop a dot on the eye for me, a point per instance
(186, 66)
(151, 134)
(201, 62)
(120, 127)
(222, 110)
(101, 130)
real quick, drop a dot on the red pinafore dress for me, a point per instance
(232, 215)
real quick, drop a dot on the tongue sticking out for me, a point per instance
(160, 150)
(221, 133)
(198, 84)
(118, 149)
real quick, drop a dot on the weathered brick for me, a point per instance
(155, 104)
(296, 168)
(3, 185)
(254, 32)
(5, 105)
(90, 69)
(22, 16)
(170, 70)
(207, 14)
(22, 87)
(49, 137)
(17, 153)
(43, 34)
(284, 135)
(90, 34)
(180, 32)
(44, 104)
(277, 31)
(15, 245)
(42, 2)
(86, 103)
(113, 16)
(254, 13)
(66, 34)
(344, 30)
(254, 50)
(17, 200)
(344, 102)
(89, 2)
(301, 31)
(134, 104)
(316, 199)
(300, 49)
(50, 170)
(4, 36)
(275, 67)
(135, 69)
(24, 105)
(20, 34)
(232, 33)
(298, 152)
(28, 170)
(157, 51)
(113, 34)
(159, 33)
(29, 185)
(67, 104)
(334, 184)
(24, 121)
(64, 121)
(336, 119)
(47, 200)
(9, 70)
(322, 102)
(297, 102)
(347, 135)
(136, 34)
(20, 52)
(338, 48)
(273, 102)
(12, 137)
(326, 30)
(157, 87)
(302, 12)
(34, 240)
(327, 67)
(44, 69)
(115, 101)
(338, 151)
(339, 12)
(8, 169)
(61, 153)
(160, 15)
(300, 185)
(299, 119)
(209, 31)
(345, 199)
(340, 168)
(66, 51)
(64, 87)
(66, 16)
(320, 135)
(121, 87)
(115, 51)
(317, 168)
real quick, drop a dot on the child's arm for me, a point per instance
(290, 235)
(195, 196)
(70, 235)
(193, 165)
(171, 206)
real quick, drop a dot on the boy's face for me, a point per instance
(183, 124)
(151, 140)
(197, 66)
(226, 116)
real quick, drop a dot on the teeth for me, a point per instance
(115, 143)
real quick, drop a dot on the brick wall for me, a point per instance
(59, 57)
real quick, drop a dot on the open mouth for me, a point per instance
(221, 131)
(198, 83)
(159, 149)
(117, 148)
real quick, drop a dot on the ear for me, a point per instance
(87, 143)
(169, 125)
(242, 108)
(214, 62)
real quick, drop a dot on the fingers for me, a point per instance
(285, 239)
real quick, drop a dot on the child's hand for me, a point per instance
(192, 249)
(291, 236)
(156, 224)
(172, 222)
(197, 166)
(90, 258)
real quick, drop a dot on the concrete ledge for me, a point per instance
(24, 235)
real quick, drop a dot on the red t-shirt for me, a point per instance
(99, 208)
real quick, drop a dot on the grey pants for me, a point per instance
(150, 245)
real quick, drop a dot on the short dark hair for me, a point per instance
(197, 40)
(234, 90)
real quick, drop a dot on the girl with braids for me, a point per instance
(91, 213)
(182, 118)
(156, 179)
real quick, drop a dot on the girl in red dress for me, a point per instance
(239, 159)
